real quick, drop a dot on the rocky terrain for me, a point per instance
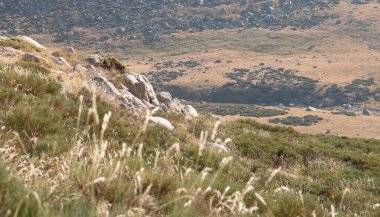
(149, 20)
(133, 92)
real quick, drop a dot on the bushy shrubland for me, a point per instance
(307, 120)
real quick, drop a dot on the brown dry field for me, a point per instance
(360, 126)
(335, 59)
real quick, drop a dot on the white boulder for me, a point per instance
(311, 109)
(162, 122)
(30, 41)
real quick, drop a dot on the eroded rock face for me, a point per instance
(124, 97)
(107, 86)
(141, 88)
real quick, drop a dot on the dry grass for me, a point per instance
(73, 154)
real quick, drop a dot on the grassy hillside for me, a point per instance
(76, 155)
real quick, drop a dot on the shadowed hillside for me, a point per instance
(69, 21)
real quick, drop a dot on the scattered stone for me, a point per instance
(61, 61)
(9, 52)
(311, 109)
(218, 147)
(347, 106)
(69, 50)
(29, 57)
(367, 112)
(164, 97)
(93, 60)
(80, 68)
(162, 121)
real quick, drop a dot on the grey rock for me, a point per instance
(80, 68)
(141, 88)
(312, 109)
(61, 61)
(103, 83)
(164, 97)
(162, 122)
(367, 112)
(9, 52)
(69, 50)
(217, 147)
(29, 57)
(93, 60)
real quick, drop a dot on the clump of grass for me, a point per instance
(112, 63)
(70, 57)
(19, 45)
(33, 67)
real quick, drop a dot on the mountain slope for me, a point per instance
(149, 20)
(62, 154)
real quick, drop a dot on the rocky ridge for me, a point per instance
(135, 93)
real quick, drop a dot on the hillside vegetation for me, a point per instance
(74, 153)
(151, 19)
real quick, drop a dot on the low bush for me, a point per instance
(33, 67)
(112, 63)
(307, 120)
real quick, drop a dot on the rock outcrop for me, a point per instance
(139, 95)
(175, 105)
(134, 91)
(140, 87)
(31, 42)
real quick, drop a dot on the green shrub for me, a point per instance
(14, 196)
(33, 67)
(307, 120)
(18, 44)
(347, 113)
(112, 63)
